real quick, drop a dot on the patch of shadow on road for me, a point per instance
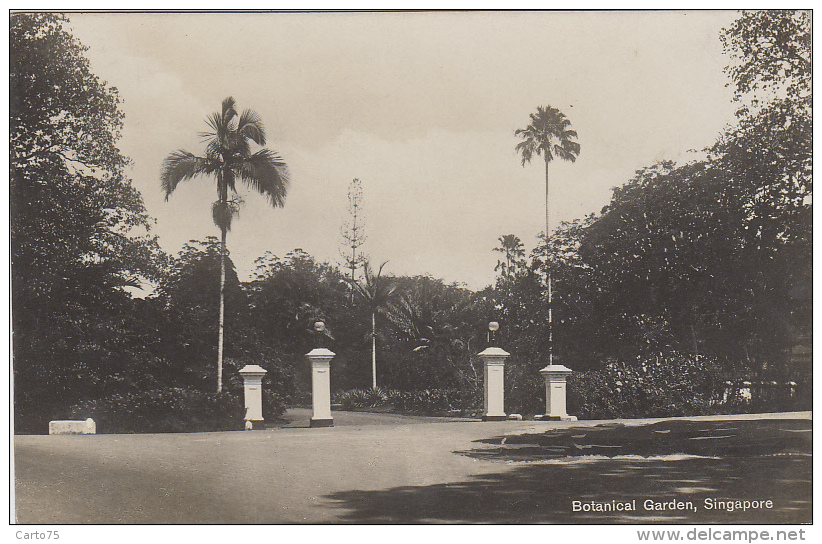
(540, 486)
(672, 437)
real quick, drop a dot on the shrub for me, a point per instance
(524, 388)
(172, 409)
(653, 386)
(283, 384)
(274, 404)
(438, 401)
(364, 398)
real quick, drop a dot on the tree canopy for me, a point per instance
(770, 51)
(79, 230)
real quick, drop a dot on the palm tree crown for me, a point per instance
(375, 290)
(513, 249)
(228, 157)
(549, 134)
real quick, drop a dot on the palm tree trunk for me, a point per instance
(373, 350)
(222, 313)
(548, 270)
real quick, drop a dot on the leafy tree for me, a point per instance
(769, 155)
(440, 328)
(229, 157)
(190, 309)
(289, 295)
(59, 108)
(79, 230)
(770, 51)
(548, 134)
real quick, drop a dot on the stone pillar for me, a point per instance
(253, 390)
(494, 377)
(554, 376)
(321, 386)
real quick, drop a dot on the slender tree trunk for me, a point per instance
(373, 350)
(222, 313)
(223, 195)
(548, 269)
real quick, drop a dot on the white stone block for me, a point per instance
(515, 417)
(73, 427)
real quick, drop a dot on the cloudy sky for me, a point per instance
(422, 108)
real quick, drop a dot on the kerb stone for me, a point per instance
(72, 427)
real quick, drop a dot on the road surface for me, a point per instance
(376, 468)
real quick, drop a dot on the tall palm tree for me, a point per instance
(229, 157)
(375, 291)
(548, 134)
(514, 251)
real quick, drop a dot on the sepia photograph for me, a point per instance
(413, 267)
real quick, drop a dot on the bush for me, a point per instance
(438, 401)
(524, 388)
(653, 386)
(426, 402)
(284, 383)
(163, 411)
(364, 398)
(274, 404)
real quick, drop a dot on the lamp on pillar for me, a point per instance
(493, 327)
(319, 331)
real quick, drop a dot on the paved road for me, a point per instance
(368, 468)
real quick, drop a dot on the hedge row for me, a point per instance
(653, 386)
(425, 401)
(172, 410)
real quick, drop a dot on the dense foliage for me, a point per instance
(79, 230)
(431, 402)
(651, 386)
(167, 410)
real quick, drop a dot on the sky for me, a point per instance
(422, 108)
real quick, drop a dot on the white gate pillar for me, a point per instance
(555, 393)
(253, 392)
(321, 386)
(494, 377)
